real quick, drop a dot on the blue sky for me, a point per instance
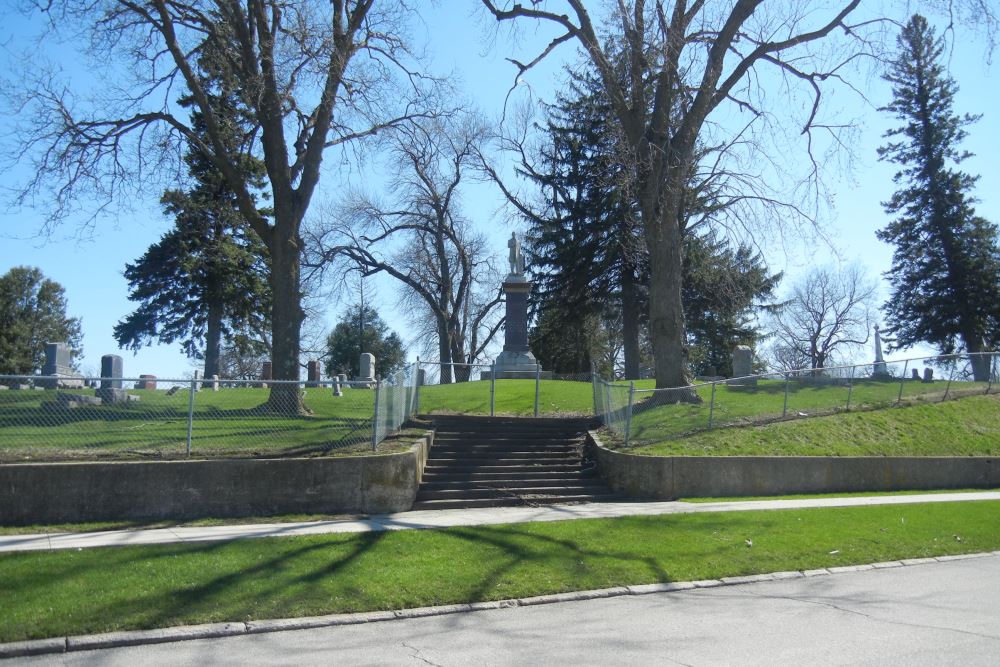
(91, 269)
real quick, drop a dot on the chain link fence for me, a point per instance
(472, 389)
(640, 414)
(45, 418)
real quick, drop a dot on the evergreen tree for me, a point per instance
(204, 282)
(362, 330)
(32, 313)
(586, 245)
(723, 287)
(590, 259)
(945, 273)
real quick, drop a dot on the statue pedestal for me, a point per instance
(516, 361)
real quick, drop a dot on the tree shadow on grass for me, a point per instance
(270, 578)
(225, 597)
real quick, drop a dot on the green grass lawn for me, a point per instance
(99, 590)
(225, 422)
(966, 427)
(230, 423)
(654, 419)
(512, 397)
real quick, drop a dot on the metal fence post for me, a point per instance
(989, 380)
(711, 407)
(902, 380)
(416, 390)
(493, 387)
(628, 413)
(538, 378)
(850, 388)
(378, 391)
(784, 408)
(191, 391)
(951, 375)
(593, 386)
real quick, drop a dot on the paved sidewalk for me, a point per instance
(430, 519)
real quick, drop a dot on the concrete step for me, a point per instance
(527, 445)
(536, 482)
(508, 434)
(513, 501)
(503, 492)
(539, 482)
(505, 420)
(501, 444)
(505, 469)
(523, 477)
(502, 454)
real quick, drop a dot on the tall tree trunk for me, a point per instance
(981, 362)
(213, 338)
(462, 371)
(444, 350)
(630, 323)
(286, 323)
(666, 311)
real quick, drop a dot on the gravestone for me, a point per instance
(146, 381)
(336, 385)
(367, 366)
(111, 371)
(197, 376)
(516, 359)
(914, 374)
(880, 371)
(65, 401)
(421, 377)
(742, 367)
(343, 378)
(110, 395)
(313, 373)
(215, 383)
(58, 363)
(928, 375)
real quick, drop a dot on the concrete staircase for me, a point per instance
(500, 461)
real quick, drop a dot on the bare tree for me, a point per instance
(308, 76)
(828, 312)
(421, 239)
(684, 61)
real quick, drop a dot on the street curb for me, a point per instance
(217, 630)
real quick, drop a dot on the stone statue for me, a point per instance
(516, 257)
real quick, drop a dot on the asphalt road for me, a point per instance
(934, 614)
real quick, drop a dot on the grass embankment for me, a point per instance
(229, 421)
(654, 419)
(512, 397)
(99, 590)
(966, 427)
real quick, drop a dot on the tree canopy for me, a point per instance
(32, 313)
(205, 282)
(945, 273)
(309, 77)
(360, 331)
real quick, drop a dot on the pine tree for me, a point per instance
(945, 273)
(586, 247)
(32, 313)
(590, 259)
(362, 330)
(205, 281)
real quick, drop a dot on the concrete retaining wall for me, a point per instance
(670, 477)
(74, 492)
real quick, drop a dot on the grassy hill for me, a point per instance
(229, 422)
(966, 427)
